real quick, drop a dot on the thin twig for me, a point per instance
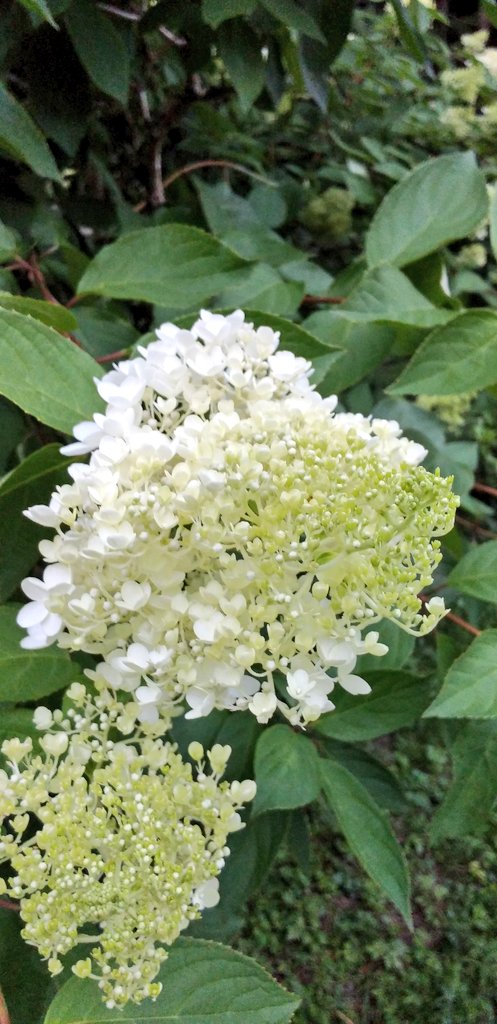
(119, 13)
(485, 489)
(317, 300)
(9, 905)
(158, 197)
(197, 166)
(475, 527)
(4, 1013)
(120, 354)
(343, 1017)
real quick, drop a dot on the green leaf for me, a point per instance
(439, 201)
(362, 347)
(28, 675)
(294, 17)
(458, 357)
(470, 687)
(489, 7)
(8, 244)
(397, 699)
(471, 795)
(173, 265)
(380, 783)
(240, 51)
(412, 39)
(476, 573)
(253, 850)
(214, 12)
(58, 317)
(200, 981)
(24, 978)
(315, 58)
(386, 294)
(493, 215)
(30, 483)
(45, 374)
(100, 48)
(286, 770)
(13, 428)
(221, 727)
(16, 722)
(21, 140)
(41, 8)
(368, 833)
(400, 647)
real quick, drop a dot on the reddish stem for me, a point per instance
(9, 905)
(470, 525)
(197, 166)
(4, 1013)
(317, 300)
(485, 489)
(120, 354)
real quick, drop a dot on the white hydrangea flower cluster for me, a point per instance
(231, 532)
(129, 847)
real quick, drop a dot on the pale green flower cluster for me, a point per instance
(450, 409)
(464, 82)
(129, 844)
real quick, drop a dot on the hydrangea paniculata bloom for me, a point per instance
(129, 846)
(231, 529)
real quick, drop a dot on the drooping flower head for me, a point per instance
(129, 845)
(205, 554)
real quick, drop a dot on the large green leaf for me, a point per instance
(28, 675)
(24, 978)
(30, 483)
(21, 140)
(368, 833)
(386, 294)
(214, 12)
(361, 348)
(58, 317)
(397, 699)
(439, 201)
(470, 687)
(476, 573)
(240, 50)
(294, 17)
(252, 853)
(40, 8)
(202, 981)
(458, 357)
(8, 244)
(173, 265)
(45, 374)
(472, 793)
(100, 48)
(286, 770)
(379, 781)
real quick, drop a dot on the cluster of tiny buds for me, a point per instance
(130, 842)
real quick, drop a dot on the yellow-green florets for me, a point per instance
(129, 845)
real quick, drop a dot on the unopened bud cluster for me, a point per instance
(130, 842)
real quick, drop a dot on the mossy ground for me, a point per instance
(326, 933)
